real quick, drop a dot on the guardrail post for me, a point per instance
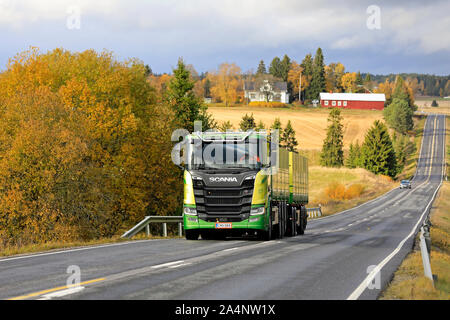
(147, 230)
(180, 229)
(165, 230)
(425, 257)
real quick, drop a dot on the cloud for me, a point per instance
(212, 27)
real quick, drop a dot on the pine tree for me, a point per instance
(318, 82)
(399, 116)
(261, 68)
(226, 126)
(288, 138)
(182, 100)
(247, 123)
(277, 126)
(332, 151)
(377, 151)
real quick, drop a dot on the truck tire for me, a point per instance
(192, 234)
(281, 221)
(267, 235)
(301, 228)
(293, 222)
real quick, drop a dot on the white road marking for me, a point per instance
(179, 265)
(168, 264)
(362, 287)
(62, 293)
(75, 250)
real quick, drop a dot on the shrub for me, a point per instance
(434, 104)
(353, 191)
(268, 104)
(337, 191)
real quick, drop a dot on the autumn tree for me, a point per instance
(84, 147)
(333, 76)
(226, 83)
(348, 82)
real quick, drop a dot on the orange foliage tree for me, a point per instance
(84, 147)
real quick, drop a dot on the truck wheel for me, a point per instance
(192, 235)
(301, 227)
(281, 222)
(267, 235)
(294, 222)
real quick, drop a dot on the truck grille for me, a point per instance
(215, 201)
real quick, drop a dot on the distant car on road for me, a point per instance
(405, 184)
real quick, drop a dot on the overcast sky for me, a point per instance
(409, 36)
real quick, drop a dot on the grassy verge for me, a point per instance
(320, 178)
(411, 161)
(409, 282)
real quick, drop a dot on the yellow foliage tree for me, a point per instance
(226, 83)
(84, 147)
(348, 82)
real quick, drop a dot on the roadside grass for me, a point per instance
(409, 282)
(411, 162)
(320, 178)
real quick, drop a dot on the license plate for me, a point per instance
(222, 225)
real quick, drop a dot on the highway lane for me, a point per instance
(330, 262)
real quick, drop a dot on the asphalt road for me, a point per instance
(330, 261)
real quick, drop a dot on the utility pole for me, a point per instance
(300, 88)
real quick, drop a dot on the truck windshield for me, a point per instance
(220, 155)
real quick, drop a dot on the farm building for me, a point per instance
(366, 101)
(266, 91)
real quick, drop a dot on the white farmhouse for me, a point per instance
(266, 91)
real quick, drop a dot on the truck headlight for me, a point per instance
(190, 211)
(257, 211)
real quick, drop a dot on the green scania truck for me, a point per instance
(242, 184)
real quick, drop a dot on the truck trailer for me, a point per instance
(248, 187)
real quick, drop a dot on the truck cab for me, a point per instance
(229, 187)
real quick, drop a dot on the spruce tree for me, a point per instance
(275, 68)
(354, 157)
(182, 100)
(247, 123)
(318, 82)
(260, 126)
(288, 137)
(307, 65)
(377, 151)
(261, 68)
(332, 151)
(285, 66)
(277, 126)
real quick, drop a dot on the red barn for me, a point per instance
(367, 101)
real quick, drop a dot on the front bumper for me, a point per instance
(254, 223)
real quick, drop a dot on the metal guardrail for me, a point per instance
(145, 224)
(425, 249)
(155, 219)
(314, 212)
